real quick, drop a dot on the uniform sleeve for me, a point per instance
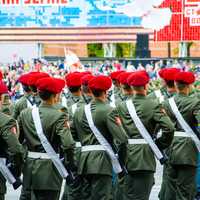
(16, 112)
(166, 125)
(115, 127)
(9, 135)
(196, 113)
(63, 131)
(15, 149)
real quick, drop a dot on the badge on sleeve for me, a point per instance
(14, 130)
(118, 121)
(66, 124)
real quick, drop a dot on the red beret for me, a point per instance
(85, 79)
(1, 75)
(100, 83)
(73, 79)
(161, 72)
(35, 76)
(170, 73)
(53, 85)
(114, 75)
(3, 88)
(139, 78)
(23, 79)
(185, 77)
(123, 77)
(85, 73)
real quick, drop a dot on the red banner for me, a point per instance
(185, 22)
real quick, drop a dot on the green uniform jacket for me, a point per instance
(183, 150)
(9, 145)
(139, 156)
(94, 162)
(41, 174)
(73, 100)
(20, 105)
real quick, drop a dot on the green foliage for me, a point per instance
(125, 50)
(95, 50)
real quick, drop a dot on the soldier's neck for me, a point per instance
(49, 102)
(184, 92)
(171, 90)
(143, 93)
(77, 94)
(102, 99)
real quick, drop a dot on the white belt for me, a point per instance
(78, 145)
(137, 141)
(92, 148)
(37, 155)
(181, 134)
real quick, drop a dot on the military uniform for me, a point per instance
(7, 106)
(40, 175)
(183, 153)
(10, 147)
(95, 165)
(74, 190)
(140, 161)
(20, 105)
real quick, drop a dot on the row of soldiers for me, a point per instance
(102, 135)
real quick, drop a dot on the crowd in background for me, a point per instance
(13, 70)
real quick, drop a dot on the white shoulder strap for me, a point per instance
(101, 139)
(143, 131)
(159, 96)
(47, 146)
(64, 101)
(183, 123)
(74, 107)
(29, 105)
(6, 172)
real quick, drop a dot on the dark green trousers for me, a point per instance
(73, 191)
(181, 182)
(119, 192)
(45, 194)
(138, 185)
(98, 187)
(165, 183)
(25, 194)
(2, 196)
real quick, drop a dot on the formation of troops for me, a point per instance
(100, 136)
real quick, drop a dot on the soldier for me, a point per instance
(115, 94)
(28, 100)
(10, 148)
(23, 101)
(74, 190)
(169, 89)
(127, 91)
(6, 106)
(46, 133)
(169, 78)
(73, 82)
(96, 160)
(184, 110)
(139, 117)
(159, 93)
(87, 93)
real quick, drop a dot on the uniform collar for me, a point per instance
(139, 96)
(182, 95)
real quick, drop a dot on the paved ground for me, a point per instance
(14, 195)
